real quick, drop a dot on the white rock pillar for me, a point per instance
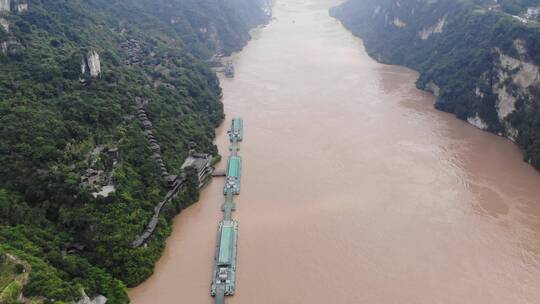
(5, 6)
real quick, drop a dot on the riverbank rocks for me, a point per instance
(99, 299)
(477, 122)
(432, 87)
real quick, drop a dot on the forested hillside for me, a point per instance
(77, 178)
(481, 58)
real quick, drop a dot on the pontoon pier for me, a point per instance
(224, 274)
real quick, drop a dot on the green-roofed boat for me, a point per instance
(233, 175)
(225, 260)
(236, 132)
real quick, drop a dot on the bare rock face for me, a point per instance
(5, 24)
(477, 122)
(86, 300)
(21, 7)
(435, 29)
(91, 64)
(9, 46)
(515, 79)
(399, 23)
(433, 88)
(5, 6)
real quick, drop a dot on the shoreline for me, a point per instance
(220, 163)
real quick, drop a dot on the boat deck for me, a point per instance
(224, 274)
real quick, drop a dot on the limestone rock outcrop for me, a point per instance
(99, 299)
(91, 64)
(5, 6)
(435, 29)
(21, 7)
(433, 88)
(5, 24)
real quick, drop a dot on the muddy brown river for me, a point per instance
(354, 190)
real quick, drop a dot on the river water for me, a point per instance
(354, 190)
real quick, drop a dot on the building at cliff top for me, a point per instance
(201, 162)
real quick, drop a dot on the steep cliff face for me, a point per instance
(21, 7)
(91, 64)
(516, 79)
(5, 5)
(5, 24)
(8, 43)
(481, 62)
(226, 32)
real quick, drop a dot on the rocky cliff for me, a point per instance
(5, 5)
(91, 64)
(480, 61)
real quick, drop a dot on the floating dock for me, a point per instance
(233, 175)
(225, 269)
(229, 70)
(224, 274)
(237, 129)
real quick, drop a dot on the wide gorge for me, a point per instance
(354, 189)
(270, 151)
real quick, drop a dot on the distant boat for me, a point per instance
(229, 70)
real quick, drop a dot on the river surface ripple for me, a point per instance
(354, 190)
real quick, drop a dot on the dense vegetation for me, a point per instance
(56, 123)
(460, 59)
